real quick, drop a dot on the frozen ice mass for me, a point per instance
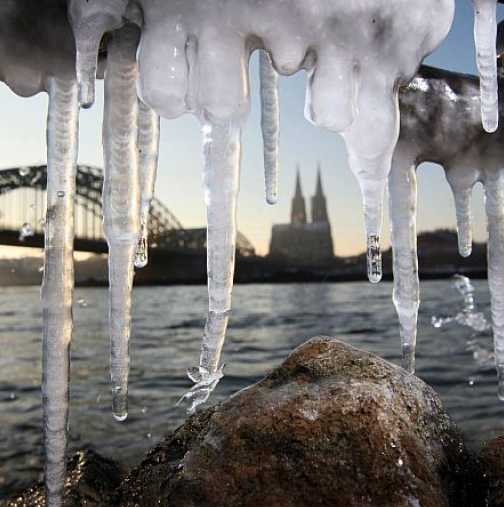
(167, 58)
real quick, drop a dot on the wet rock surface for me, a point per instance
(492, 462)
(91, 481)
(332, 426)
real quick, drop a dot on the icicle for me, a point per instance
(57, 285)
(90, 20)
(485, 34)
(403, 204)
(121, 200)
(374, 259)
(370, 143)
(222, 146)
(148, 151)
(494, 193)
(270, 123)
(464, 220)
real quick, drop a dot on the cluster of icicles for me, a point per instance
(167, 58)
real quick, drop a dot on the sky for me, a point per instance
(179, 183)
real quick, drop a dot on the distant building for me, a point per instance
(302, 242)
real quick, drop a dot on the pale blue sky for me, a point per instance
(22, 142)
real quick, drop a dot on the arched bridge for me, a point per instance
(23, 204)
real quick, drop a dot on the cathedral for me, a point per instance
(302, 242)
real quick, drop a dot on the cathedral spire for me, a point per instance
(318, 202)
(298, 210)
(318, 189)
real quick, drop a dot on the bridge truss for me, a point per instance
(23, 205)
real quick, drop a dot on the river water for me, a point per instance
(268, 321)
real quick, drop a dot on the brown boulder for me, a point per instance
(332, 426)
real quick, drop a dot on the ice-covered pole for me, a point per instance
(494, 193)
(148, 153)
(403, 204)
(90, 19)
(485, 34)
(270, 124)
(121, 200)
(57, 285)
(222, 152)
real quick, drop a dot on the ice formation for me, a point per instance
(270, 124)
(193, 59)
(57, 285)
(148, 150)
(121, 200)
(432, 103)
(485, 33)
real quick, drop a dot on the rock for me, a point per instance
(332, 426)
(91, 481)
(492, 462)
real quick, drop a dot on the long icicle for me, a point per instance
(148, 154)
(403, 204)
(494, 193)
(464, 220)
(270, 124)
(121, 201)
(58, 282)
(222, 149)
(485, 34)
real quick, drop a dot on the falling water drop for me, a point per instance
(141, 254)
(24, 171)
(374, 259)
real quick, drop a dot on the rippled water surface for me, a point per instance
(268, 321)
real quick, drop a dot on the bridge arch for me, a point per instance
(165, 230)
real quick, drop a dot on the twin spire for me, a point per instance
(318, 202)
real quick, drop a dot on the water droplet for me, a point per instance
(144, 410)
(149, 435)
(471, 381)
(12, 396)
(26, 231)
(41, 269)
(82, 302)
(374, 258)
(141, 255)
(60, 193)
(400, 462)
(24, 171)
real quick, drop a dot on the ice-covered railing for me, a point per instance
(193, 58)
